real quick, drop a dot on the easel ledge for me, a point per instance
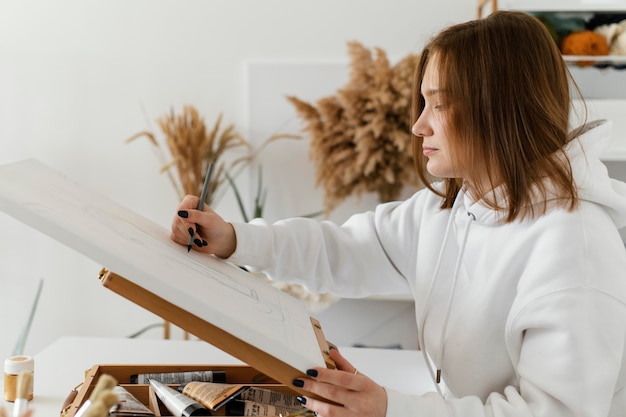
(253, 356)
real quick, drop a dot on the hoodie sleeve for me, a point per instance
(371, 253)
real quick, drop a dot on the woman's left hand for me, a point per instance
(353, 393)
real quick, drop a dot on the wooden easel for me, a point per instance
(481, 6)
(167, 331)
(246, 352)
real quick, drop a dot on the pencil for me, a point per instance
(203, 196)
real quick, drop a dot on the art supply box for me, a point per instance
(235, 374)
(263, 369)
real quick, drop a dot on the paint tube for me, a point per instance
(252, 408)
(171, 378)
(177, 403)
(128, 405)
(211, 395)
(271, 397)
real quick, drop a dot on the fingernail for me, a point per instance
(183, 213)
(311, 372)
(298, 383)
(190, 230)
(198, 242)
(301, 399)
(204, 242)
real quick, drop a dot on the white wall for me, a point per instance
(77, 77)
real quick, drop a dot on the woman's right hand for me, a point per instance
(212, 234)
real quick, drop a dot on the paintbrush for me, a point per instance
(22, 392)
(97, 409)
(101, 406)
(105, 383)
(109, 399)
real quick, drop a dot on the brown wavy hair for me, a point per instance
(508, 90)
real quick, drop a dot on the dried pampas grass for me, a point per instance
(192, 147)
(361, 138)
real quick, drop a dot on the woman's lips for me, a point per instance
(428, 150)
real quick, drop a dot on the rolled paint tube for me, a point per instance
(128, 405)
(179, 377)
(178, 403)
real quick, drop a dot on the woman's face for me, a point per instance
(432, 124)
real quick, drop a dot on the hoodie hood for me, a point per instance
(591, 175)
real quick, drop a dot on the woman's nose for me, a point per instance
(420, 128)
(415, 129)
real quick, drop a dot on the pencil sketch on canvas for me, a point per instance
(141, 251)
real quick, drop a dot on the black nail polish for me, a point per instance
(204, 242)
(311, 372)
(298, 383)
(198, 242)
(190, 230)
(301, 400)
(183, 213)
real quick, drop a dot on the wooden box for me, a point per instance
(235, 374)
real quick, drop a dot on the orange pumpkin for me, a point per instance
(584, 42)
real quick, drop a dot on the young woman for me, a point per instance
(512, 251)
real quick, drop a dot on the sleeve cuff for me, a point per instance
(254, 244)
(430, 404)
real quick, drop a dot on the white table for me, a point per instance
(61, 366)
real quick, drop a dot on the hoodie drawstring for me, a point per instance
(437, 378)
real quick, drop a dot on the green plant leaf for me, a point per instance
(21, 341)
(242, 209)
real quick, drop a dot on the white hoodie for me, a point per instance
(523, 319)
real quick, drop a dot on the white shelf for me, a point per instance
(563, 5)
(597, 62)
(611, 109)
(609, 59)
(575, 7)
